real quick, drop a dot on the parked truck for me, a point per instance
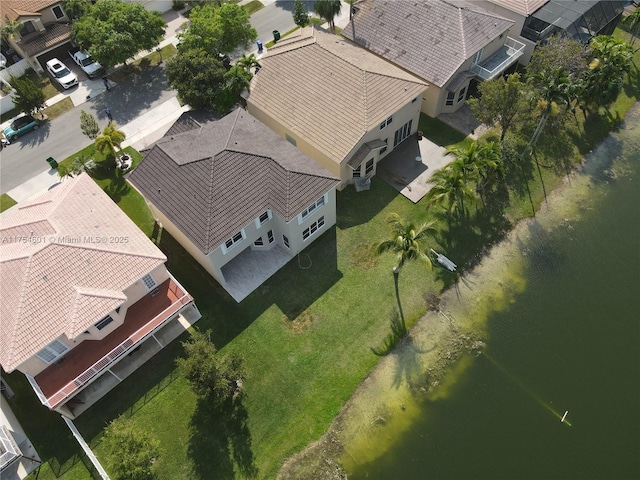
(88, 65)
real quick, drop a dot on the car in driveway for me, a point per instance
(61, 73)
(20, 126)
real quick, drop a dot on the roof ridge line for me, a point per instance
(16, 325)
(461, 23)
(99, 249)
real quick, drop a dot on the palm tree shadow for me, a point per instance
(220, 443)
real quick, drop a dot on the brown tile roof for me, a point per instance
(524, 7)
(54, 34)
(431, 39)
(57, 276)
(23, 8)
(328, 90)
(211, 182)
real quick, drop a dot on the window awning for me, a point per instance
(363, 152)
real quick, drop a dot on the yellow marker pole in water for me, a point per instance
(536, 397)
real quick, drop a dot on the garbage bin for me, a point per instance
(276, 36)
(259, 46)
(52, 163)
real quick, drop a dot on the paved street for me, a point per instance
(138, 106)
(62, 137)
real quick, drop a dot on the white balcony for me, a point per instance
(90, 360)
(497, 63)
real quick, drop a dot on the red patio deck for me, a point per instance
(91, 358)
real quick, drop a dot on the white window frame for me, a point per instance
(270, 237)
(369, 166)
(386, 122)
(462, 94)
(53, 10)
(321, 202)
(149, 282)
(356, 172)
(285, 241)
(55, 349)
(312, 229)
(269, 217)
(234, 241)
(259, 242)
(451, 99)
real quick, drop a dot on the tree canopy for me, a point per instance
(211, 376)
(198, 76)
(114, 31)
(300, 15)
(131, 451)
(501, 101)
(28, 97)
(218, 29)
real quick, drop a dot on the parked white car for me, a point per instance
(61, 73)
(86, 63)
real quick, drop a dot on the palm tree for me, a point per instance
(450, 189)
(237, 79)
(604, 79)
(633, 21)
(407, 241)
(328, 9)
(111, 140)
(249, 62)
(10, 29)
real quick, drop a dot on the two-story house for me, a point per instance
(86, 296)
(340, 104)
(45, 28)
(451, 44)
(240, 199)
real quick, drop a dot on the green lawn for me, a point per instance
(6, 202)
(253, 6)
(306, 334)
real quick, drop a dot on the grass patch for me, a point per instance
(6, 202)
(253, 6)
(58, 108)
(439, 132)
(125, 72)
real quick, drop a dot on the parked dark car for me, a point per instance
(20, 126)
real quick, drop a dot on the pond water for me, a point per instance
(570, 341)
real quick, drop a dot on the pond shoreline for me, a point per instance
(428, 363)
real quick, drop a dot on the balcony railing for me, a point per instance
(498, 62)
(100, 366)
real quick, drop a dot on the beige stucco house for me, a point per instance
(450, 44)
(240, 199)
(46, 27)
(86, 296)
(338, 103)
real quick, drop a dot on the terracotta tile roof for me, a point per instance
(523, 7)
(431, 39)
(54, 34)
(23, 8)
(328, 90)
(214, 180)
(57, 275)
